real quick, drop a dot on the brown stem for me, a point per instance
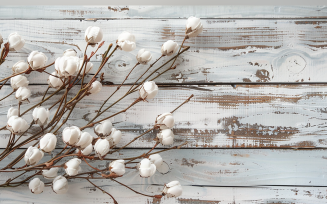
(92, 124)
(7, 95)
(8, 145)
(19, 103)
(171, 67)
(145, 72)
(134, 89)
(61, 101)
(93, 53)
(26, 71)
(90, 165)
(135, 138)
(164, 150)
(79, 72)
(104, 56)
(45, 93)
(150, 149)
(63, 122)
(133, 189)
(157, 152)
(42, 101)
(4, 52)
(187, 100)
(118, 87)
(22, 134)
(53, 105)
(3, 83)
(83, 75)
(144, 154)
(52, 75)
(15, 161)
(103, 191)
(48, 65)
(58, 154)
(104, 62)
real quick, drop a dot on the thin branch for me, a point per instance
(122, 111)
(3, 83)
(7, 95)
(145, 72)
(42, 101)
(155, 196)
(187, 100)
(133, 90)
(45, 93)
(90, 165)
(118, 87)
(103, 191)
(135, 138)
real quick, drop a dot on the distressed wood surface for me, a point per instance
(220, 167)
(167, 12)
(85, 193)
(227, 51)
(226, 126)
(247, 116)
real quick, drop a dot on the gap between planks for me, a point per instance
(206, 84)
(207, 18)
(218, 148)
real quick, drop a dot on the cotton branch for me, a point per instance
(70, 71)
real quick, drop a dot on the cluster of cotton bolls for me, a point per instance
(108, 138)
(73, 136)
(19, 84)
(148, 166)
(66, 66)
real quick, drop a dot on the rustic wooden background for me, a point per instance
(256, 126)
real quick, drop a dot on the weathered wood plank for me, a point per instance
(219, 167)
(247, 116)
(146, 11)
(85, 193)
(227, 51)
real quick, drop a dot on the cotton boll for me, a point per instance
(146, 168)
(172, 189)
(93, 34)
(36, 186)
(60, 185)
(20, 67)
(16, 42)
(126, 41)
(18, 81)
(33, 155)
(48, 142)
(166, 137)
(148, 90)
(165, 121)
(71, 135)
(169, 48)
(37, 60)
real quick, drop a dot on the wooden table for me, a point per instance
(257, 124)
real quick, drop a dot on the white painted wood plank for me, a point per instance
(85, 193)
(218, 167)
(146, 11)
(227, 51)
(248, 116)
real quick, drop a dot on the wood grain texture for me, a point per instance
(227, 50)
(248, 116)
(85, 193)
(146, 11)
(247, 143)
(220, 167)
